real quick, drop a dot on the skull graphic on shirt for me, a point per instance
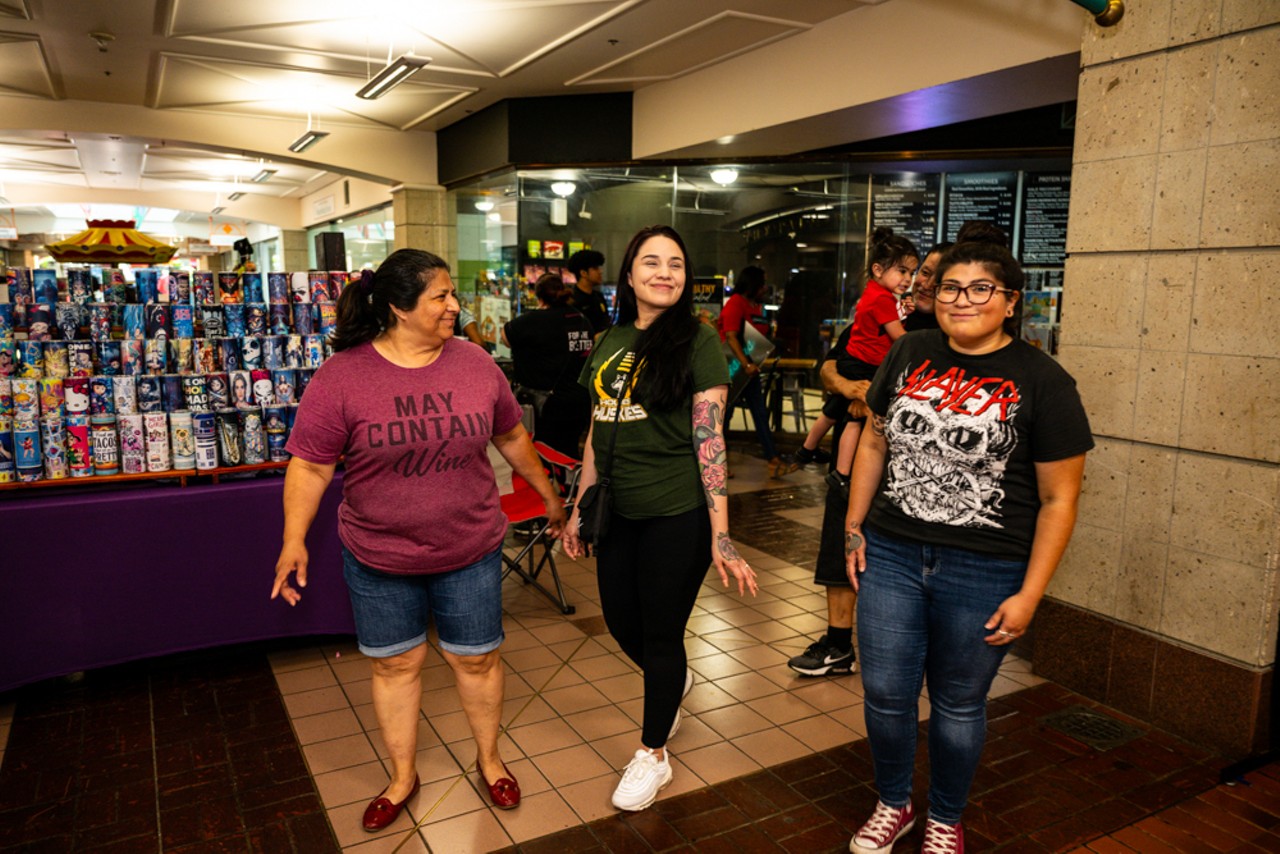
(948, 466)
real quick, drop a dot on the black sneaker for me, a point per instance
(821, 457)
(823, 659)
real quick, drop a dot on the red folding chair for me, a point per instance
(524, 505)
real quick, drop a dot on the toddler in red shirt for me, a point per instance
(877, 323)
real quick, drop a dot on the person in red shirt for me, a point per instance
(744, 307)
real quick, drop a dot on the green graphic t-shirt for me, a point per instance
(655, 472)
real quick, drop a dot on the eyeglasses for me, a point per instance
(977, 294)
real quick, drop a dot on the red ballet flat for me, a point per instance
(381, 812)
(505, 792)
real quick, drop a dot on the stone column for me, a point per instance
(293, 250)
(425, 219)
(1165, 605)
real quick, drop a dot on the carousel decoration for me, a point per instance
(111, 241)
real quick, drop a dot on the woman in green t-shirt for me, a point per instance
(665, 370)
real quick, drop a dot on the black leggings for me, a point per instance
(649, 572)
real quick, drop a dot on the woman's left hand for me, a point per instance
(556, 518)
(1011, 619)
(729, 562)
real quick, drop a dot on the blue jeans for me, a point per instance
(921, 612)
(392, 610)
(753, 394)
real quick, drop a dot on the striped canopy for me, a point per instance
(111, 241)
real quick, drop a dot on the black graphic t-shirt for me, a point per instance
(593, 307)
(549, 347)
(964, 435)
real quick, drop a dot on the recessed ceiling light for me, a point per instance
(219, 209)
(235, 197)
(724, 176)
(263, 175)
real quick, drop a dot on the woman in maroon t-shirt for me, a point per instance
(412, 413)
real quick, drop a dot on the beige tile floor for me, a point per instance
(573, 708)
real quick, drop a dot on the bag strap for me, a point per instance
(617, 413)
(613, 434)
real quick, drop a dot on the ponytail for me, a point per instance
(364, 309)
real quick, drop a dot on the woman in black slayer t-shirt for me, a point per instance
(963, 497)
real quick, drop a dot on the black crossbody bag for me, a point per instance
(595, 504)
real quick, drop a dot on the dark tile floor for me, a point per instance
(1037, 790)
(190, 753)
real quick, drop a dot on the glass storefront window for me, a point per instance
(807, 224)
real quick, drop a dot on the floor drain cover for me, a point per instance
(1088, 726)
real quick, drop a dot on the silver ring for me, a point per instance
(1006, 634)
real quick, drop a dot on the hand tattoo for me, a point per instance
(852, 542)
(724, 545)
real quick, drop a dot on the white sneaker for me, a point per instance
(688, 686)
(644, 776)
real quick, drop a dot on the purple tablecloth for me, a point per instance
(98, 579)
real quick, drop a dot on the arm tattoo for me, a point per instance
(724, 546)
(708, 445)
(877, 424)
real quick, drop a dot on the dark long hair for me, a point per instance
(999, 263)
(888, 249)
(364, 309)
(665, 349)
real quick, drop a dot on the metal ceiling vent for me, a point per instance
(1099, 731)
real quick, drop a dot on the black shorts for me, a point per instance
(830, 567)
(835, 406)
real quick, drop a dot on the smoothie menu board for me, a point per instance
(1045, 197)
(987, 196)
(908, 203)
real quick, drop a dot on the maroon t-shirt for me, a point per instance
(419, 495)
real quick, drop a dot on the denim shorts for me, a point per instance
(392, 611)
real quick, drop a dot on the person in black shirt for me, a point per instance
(548, 349)
(922, 287)
(587, 266)
(964, 495)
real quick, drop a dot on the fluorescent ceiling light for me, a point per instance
(393, 75)
(219, 209)
(262, 175)
(563, 189)
(307, 140)
(724, 176)
(235, 197)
